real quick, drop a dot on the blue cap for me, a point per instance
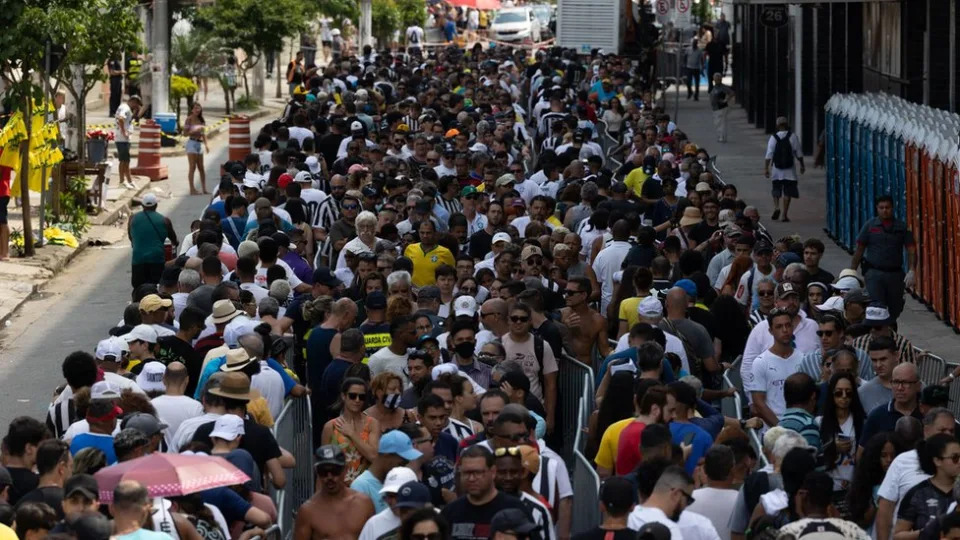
(376, 300)
(787, 258)
(413, 494)
(688, 286)
(396, 442)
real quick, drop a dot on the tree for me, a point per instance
(105, 29)
(412, 12)
(385, 21)
(254, 26)
(340, 11)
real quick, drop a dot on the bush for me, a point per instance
(385, 20)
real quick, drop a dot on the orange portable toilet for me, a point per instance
(148, 154)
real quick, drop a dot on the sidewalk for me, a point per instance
(740, 162)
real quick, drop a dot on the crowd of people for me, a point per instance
(418, 249)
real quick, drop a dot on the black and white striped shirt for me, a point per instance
(60, 415)
(327, 214)
(541, 515)
(453, 206)
(412, 123)
(545, 127)
(458, 430)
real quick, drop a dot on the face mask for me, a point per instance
(465, 350)
(702, 162)
(391, 401)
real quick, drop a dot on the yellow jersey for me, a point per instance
(425, 263)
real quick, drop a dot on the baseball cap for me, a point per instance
(313, 163)
(397, 442)
(141, 332)
(732, 231)
(356, 126)
(108, 347)
(787, 258)
(429, 292)
(228, 427)
(935, 395)
(690, 148)
(145, 423)
(500, 237)
(149, 200)
(467, 190)
(617, 494)
(850, 272)
(703, 186)
(397, 477)
(331, 454)
(530, 251)
(84, 484)
(834, 303)
(654, 530)
(284, 180)
(688, 286)
(763, 247)
(847, 283)
(370, 190)
(325, 276)
(303, 177)
(785, 289)
(452, 132)
(413, 494)
(376, 300)
(464, 306)
(506, 180)
(650, 308)
(512, 520)
(104, 390)
(877, 314)
(283, 240)
(857, 296)
(150, 378)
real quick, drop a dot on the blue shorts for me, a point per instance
(123, 151)
(194, 146)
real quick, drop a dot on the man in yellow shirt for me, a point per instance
(636, 177)
(427, 255)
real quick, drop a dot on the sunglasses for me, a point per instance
(468, 290)
(954, 458)
(353, 396)
(350, 206)
(764, 293)
(842, 392)
(898, 382)
(568, 292)
(689, 497)
(505, 451)
(328, 471)
(519, 319)
(828, 333)
(535, 261)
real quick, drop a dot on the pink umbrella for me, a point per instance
(476, 4)
(170, 475)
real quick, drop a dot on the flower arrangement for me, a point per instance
(100, 134)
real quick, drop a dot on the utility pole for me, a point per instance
(366, 23)
(160, 71)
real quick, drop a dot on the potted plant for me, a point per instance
(97, 145)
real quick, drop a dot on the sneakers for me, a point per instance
(129, 185)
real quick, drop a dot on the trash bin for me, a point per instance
(96, 150)
(167, 122)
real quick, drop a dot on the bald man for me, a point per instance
(493, 317)
(905, 402)
(676, 323)
(174, 406)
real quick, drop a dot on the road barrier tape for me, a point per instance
(517, 45)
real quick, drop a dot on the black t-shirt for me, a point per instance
(471, 522)
(439, 473)
(915, 506)
(822, 276)
(24, 481)
(705, 318)
(640, 256)
(328, 145)
(480, 244)
(51, 495)
(652, 189)
(174, 349)
(550, 334)
(601, 534)
(115, 65)
(256, 439)
(375, 336)
(701, 232)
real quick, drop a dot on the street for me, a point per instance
(78, 307)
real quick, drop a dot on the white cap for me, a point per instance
(362, 94)
(150, 378)
(397, 477)
(440, 369)
(228, 427)
(303, 176)
(108, 347)
(251, 183)
(356, 126)
(500, 237)
(650, 308)
(335, 32)
(149, 200)
(313, 163)
(834, 303)
(847, 283)
(464, 306)
(141, 332)
(104, 390)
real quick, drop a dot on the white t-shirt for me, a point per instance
(521, 224)
(300, 134)
(749, 297)
(124, 113)
(386, 360)
(903, 474)
(769, 374)
(784, 174)
(674, 345)
(760, 339)
(82, 426)
(414, 39)
(261, 278)
(173, 410)
(716, 505)
(270, 385)
(259, 293)
(696, 527)
(187, 428)
(379, 525)
(641, 515)
(312, 199)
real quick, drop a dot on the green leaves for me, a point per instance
(253, 25)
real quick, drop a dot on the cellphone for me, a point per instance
(843, 438)
(689, 438)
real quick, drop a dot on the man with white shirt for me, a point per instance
(772, 368)
(154, 311)
(246, 272)
(746, 292)
(213, 408)
(760, 339)
(402, 499)
(173, 407)
(142, 342)
(310, 196)
(610, 259)
(268, 382)
(269, 256)
(671, 495)
(717, 499)
(357, 133)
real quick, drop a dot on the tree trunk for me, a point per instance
(24, 175)
(279, 84)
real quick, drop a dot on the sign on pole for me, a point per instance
(682, 14)
(663, 7)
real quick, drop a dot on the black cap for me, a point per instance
(763, 246)
(170, 276)
(331, 454)
(512, 520)
(935, 395)
(617, 495)
(237, 170)
(376, 300)
(325, 276)
(84, 484)
(5, 478)
(145, 423)
(653, 530)
(370, 190)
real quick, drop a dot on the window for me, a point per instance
(881, 37)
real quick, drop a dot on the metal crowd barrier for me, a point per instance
(585, 478)
(572, 376)
(273, 533)
(932, 368)
(735, 403)
(294, 433)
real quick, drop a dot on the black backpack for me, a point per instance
(783, 152)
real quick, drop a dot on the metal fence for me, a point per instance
(572, 376)
(731, 379)
(273, 533)
(294, 433)
(587, 514)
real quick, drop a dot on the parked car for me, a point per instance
(547, 15)
(515, 24)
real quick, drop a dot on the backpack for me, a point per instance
(783, 152)
(695, 362)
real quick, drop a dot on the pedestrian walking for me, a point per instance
(195, 130)
(692, 69)
(783, 152)
(721, 97)
(148, 231)
(295, 72)
(880, 247)
(121, 136)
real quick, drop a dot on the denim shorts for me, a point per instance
(194, 147)
(123, 151)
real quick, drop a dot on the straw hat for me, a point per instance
(691, 216)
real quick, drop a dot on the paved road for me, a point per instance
(80, 305)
